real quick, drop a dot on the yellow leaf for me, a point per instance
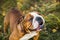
(3, 13)
(54, 30)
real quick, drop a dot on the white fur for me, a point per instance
(28, 36)
(35, 23)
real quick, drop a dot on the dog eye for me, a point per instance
(30, 19)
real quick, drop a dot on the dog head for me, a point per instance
(33, 21)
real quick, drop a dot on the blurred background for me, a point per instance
(50, 9)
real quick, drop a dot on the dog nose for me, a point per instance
(39, 20)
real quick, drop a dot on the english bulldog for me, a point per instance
(33, 25)
(23, 26)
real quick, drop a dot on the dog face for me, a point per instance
(34, 21)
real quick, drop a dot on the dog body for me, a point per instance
(13, 18)
(23, 27)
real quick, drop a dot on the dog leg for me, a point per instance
(28, 36)
(36, 37)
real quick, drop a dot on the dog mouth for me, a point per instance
(40, 27)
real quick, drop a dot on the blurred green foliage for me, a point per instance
(50, 9)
